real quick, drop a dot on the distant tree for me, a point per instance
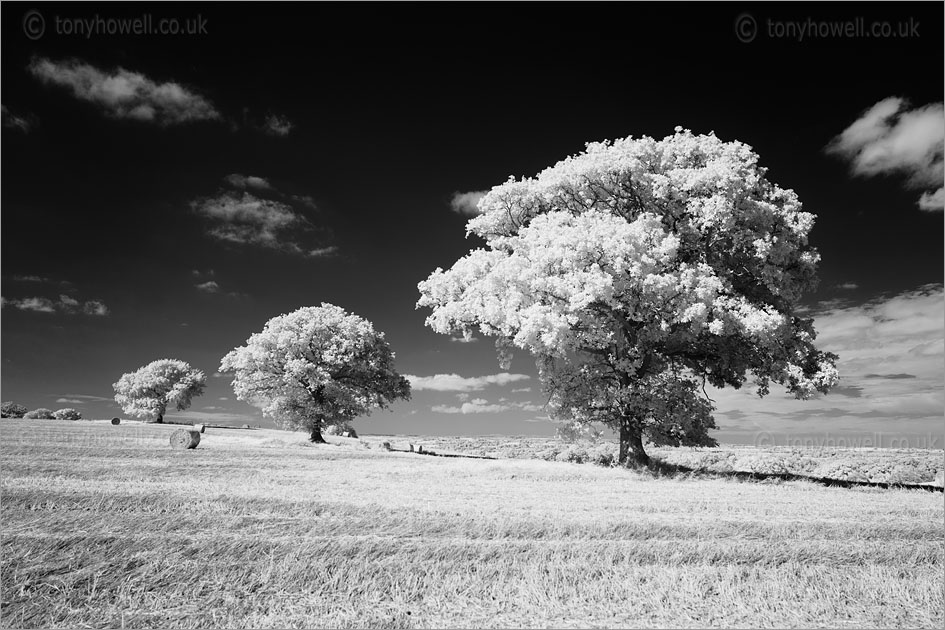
(10, 409)
(67, 414)
(637, 272)
(316, 367)
(39, 414)
(147, 392)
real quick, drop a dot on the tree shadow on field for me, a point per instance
(658, 468)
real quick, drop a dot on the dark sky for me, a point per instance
(364, 120)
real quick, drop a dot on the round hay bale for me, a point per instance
(116, 420)
(199, 427)
(350, 433)
(185, 438)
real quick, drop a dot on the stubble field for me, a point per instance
(107, 526)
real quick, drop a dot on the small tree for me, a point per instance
(12, 410)
(147, 392)
(635, 273)
(316, 367)
(40, 414)
(67, 414)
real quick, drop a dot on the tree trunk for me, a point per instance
(160, 419)
(316, 435)
(631, 446)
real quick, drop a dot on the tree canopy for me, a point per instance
(635, 273)
(148, 391)
(315, 367)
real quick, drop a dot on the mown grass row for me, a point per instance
(140, 536)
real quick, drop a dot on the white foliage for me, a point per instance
(314, 367)
(636, 267)
(147, 392)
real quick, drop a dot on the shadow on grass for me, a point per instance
(658, 468)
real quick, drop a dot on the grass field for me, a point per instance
(107, 526)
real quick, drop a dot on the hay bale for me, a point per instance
(116, 420)
(185, 438)
(386, 446)
(350, 433)
(199, 427)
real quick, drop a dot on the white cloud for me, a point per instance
(30, 279)
(306, 200)
(891, 360)
(457, 383)
(466, 203)
(208, 287)
(36, 304)
(464, 339)
(72, 401)
(322, 252)
(249, 220)
(932, 202)
(481, 405)
(522, 389)
(67, 302)
(276, 125)
(890, 138)
(20, 123)
(848, 286)
(86, 398)
(247, 181)
(125, 94)
(95, 307)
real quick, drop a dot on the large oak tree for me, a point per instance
(635, 273)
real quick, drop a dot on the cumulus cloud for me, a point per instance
(85, 398)
(481, 405)
(932, 201)
(246, 219)
(20, 123)
(464, 339)
(247, 181)
(457, 383)
(65, 304)
(276, 125)
(125, 94)
(209, 286)
(36, 304)
(889, 138)
(96, 308)
(891, 359)
(466, 203)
